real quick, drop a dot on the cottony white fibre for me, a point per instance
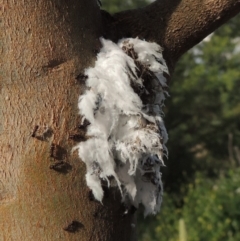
(127, 136)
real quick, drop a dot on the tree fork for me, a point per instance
(43, 195)
(176, 25)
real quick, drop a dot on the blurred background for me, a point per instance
(202, 177)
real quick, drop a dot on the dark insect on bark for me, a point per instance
(73, 227)
(84, 124)
(81, 77)
(52, 148)
(76, 137)
(46, 133)
(57, 152)
(34, 131)
(61, 166)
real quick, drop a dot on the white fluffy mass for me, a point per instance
(127, 135)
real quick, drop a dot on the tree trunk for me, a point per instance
(45, 46)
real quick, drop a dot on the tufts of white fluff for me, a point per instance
(127, 138)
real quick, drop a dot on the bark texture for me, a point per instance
(45, 45)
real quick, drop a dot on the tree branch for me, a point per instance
(177, 25)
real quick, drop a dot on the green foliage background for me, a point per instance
(202, 181)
